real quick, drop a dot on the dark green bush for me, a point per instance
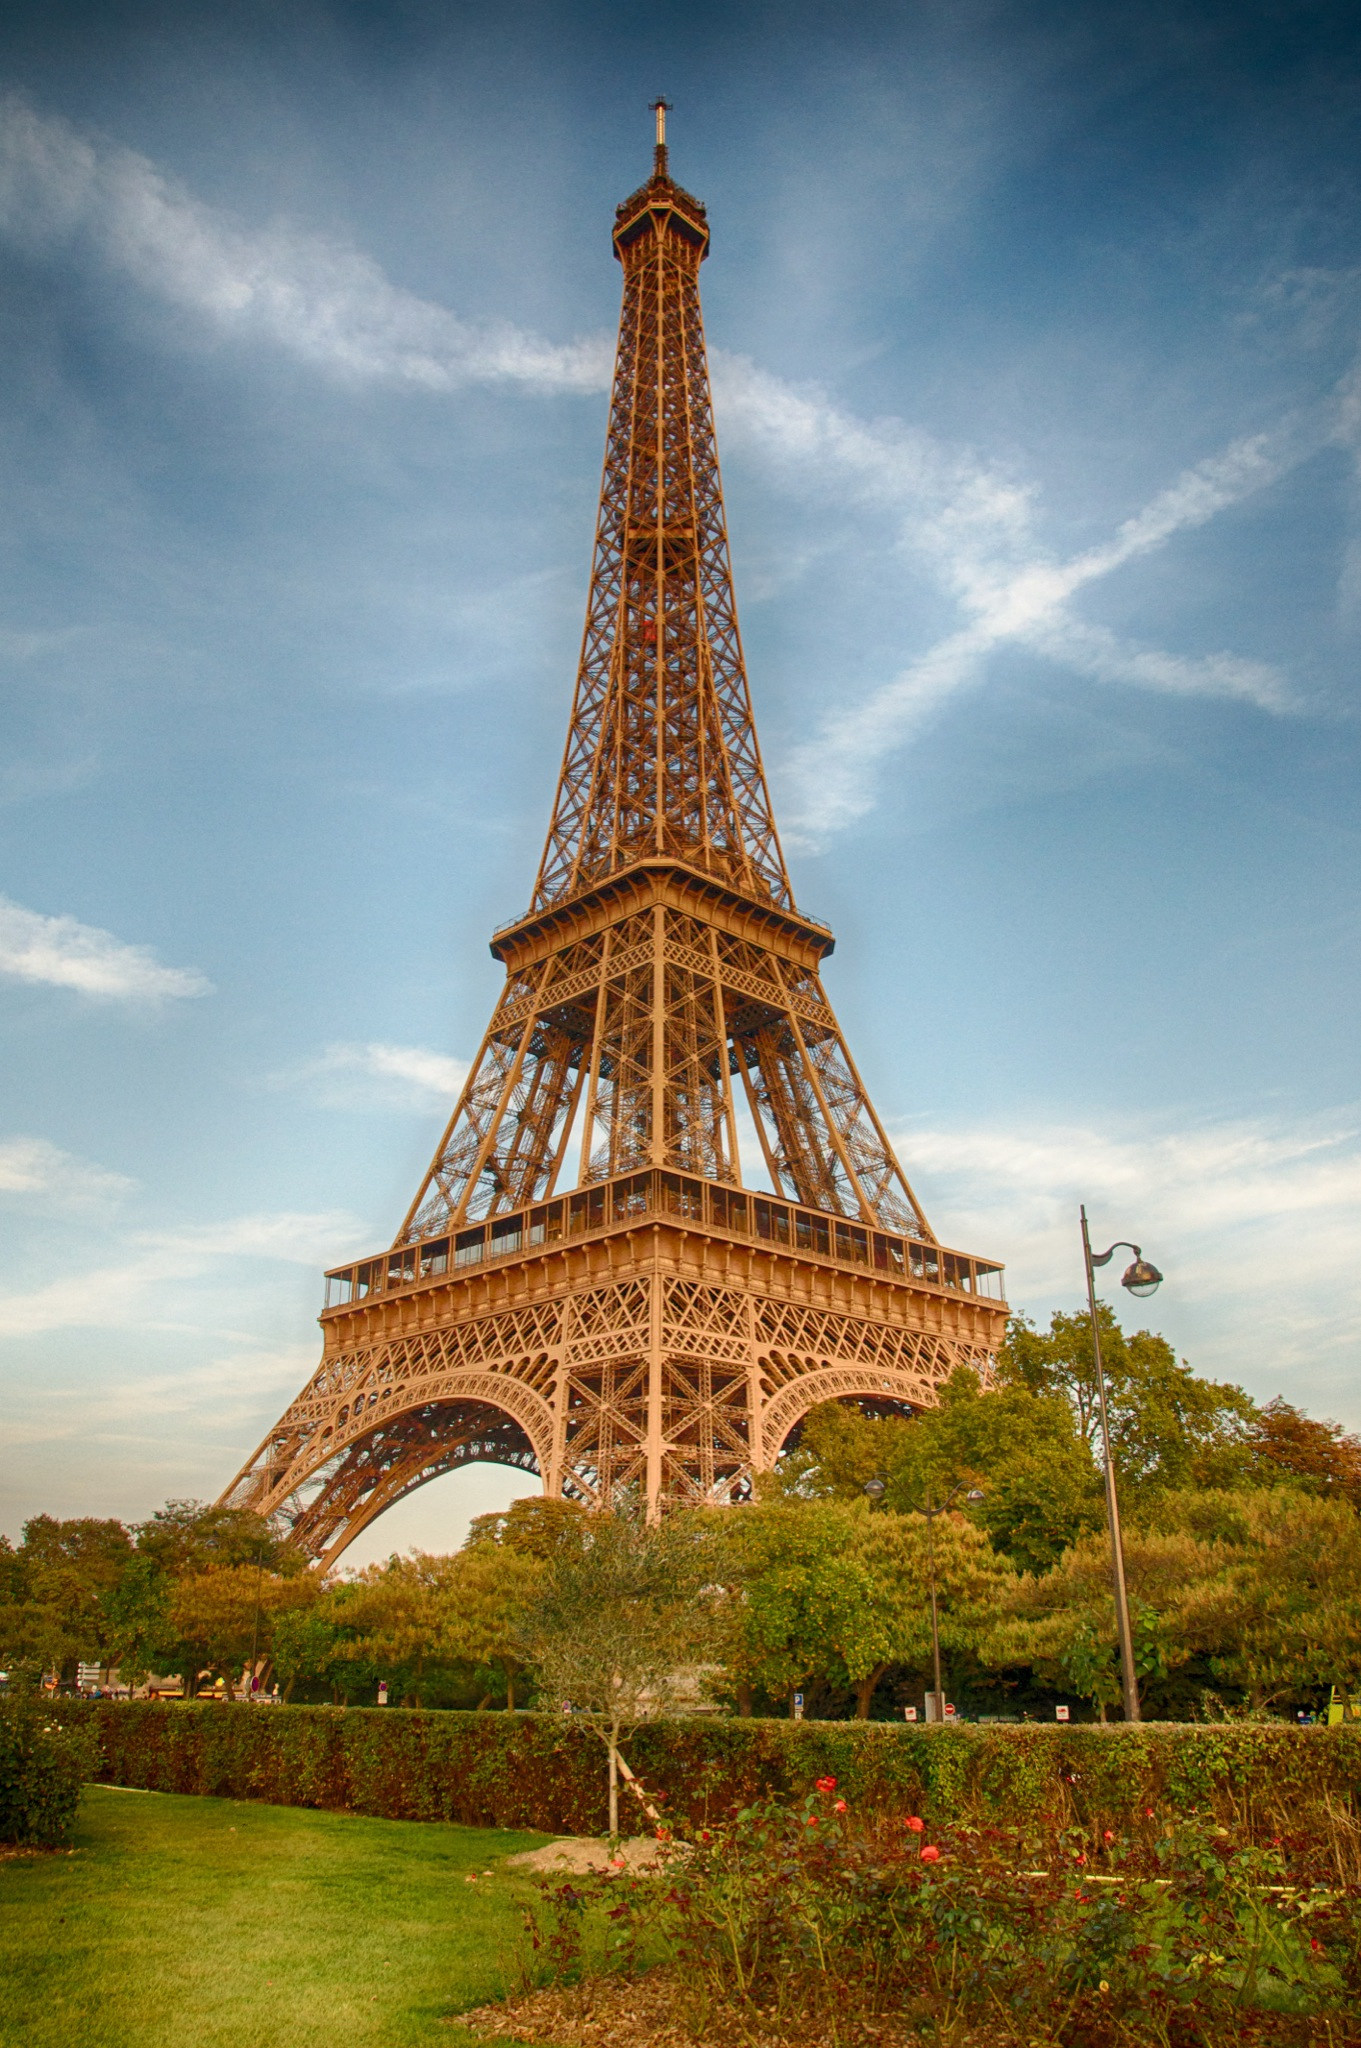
(547, 1771)
(43, 1763)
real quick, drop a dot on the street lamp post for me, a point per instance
(255, 1632)
(875, 1489)
(1140, 1278)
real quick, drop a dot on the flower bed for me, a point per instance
(805, 1922)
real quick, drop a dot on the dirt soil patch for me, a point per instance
(644, 2012)
(579, 1854)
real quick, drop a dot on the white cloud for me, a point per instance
(42, 1172)
(228, 1391)
(301, 1237)
(1255, 1225)
(63, 953)
(974, 532)
(143, 1288)
(354, 1075)
(971, 524)
(322, 301)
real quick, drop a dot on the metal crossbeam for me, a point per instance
(662, 987)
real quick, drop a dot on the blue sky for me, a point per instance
(1035, 344)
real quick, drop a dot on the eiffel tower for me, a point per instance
(584, 1287)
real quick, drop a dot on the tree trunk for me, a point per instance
(614, 1784)
(744, 1699)
(864, 1692)
(510, 1690)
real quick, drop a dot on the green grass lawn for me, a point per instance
(212, 1921)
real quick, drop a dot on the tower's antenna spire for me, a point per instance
(661, 108)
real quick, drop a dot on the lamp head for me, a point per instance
(975, 1494)
(1141, 1278)
(874, 1489)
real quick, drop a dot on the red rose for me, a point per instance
(930, 1854)
(826, 1784)
(812, 1820)
(1109, 1835)
(840, 1806)
(917, 1826)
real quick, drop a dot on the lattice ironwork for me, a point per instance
(662, 988)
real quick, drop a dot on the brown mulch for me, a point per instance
(645, 2012)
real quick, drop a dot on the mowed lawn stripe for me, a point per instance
(216, 1921)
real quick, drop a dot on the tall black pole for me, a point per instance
(255, 1633)
(1128, 1678)
(935, 1624)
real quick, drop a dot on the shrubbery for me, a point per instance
(543, 1770)
(810, 1922)
(43, 1763)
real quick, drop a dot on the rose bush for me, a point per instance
(812, 1923)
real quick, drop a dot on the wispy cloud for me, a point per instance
(375, 1074)
(966, 520)
(63, 953)
(324, 302)
(1252, 1222)
(139, 1289)
(40, 1172)
(227, 1392)
(974, 531)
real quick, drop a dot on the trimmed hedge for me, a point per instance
(546, 1772)
(43, 1764)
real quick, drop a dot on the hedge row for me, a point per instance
(545, 1772)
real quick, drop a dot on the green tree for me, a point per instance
(1280, 1612)
(872, 1609)
(1040, 1485)
(1062, 1624)
(58, 1582)
(186, 1536)
(483, 1593)
(312, 1644)
(533, 1526)
(618, 1623)
(137, 1617)
(1168, 1427)
(218, 1617)
(769, 1559)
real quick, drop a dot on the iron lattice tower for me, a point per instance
(648, 1325)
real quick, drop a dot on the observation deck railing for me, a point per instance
(738, 1212)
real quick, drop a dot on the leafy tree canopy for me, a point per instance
(1019, 1446)
(187, 1536)
(1168, 1426)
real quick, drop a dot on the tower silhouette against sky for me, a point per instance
(584, 1287)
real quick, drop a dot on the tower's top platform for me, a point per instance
(659, 203)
